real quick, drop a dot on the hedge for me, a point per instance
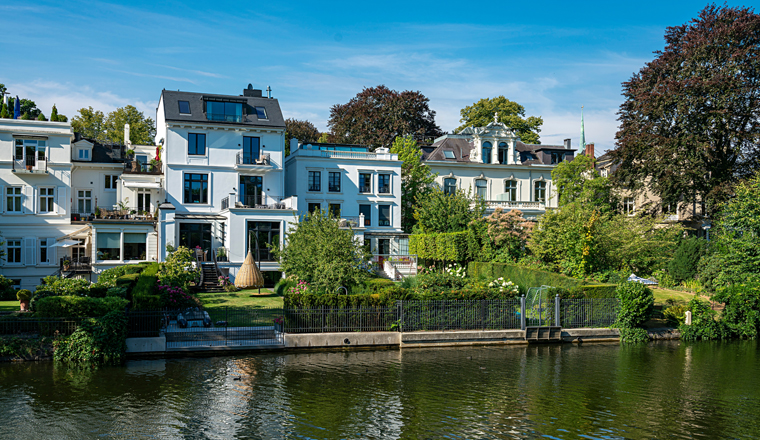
(146, 281)
(599, 291)
(127, 281)
(78, 306)
(451, 246)
(374, 285)
(386, 297)
(146, 302)
(522, 276)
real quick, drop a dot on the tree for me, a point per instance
(437, 211)
(578, 181)
(55, 117)
(142, 130)
(377, 115)
(508, 233)
(4, 113)
(41, 117)
(508, 112)
(322, 254)
(29, 107)
(690, 123)
(304, 131)
(89, 123)
(416, 178)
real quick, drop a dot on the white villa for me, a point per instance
(494, 164)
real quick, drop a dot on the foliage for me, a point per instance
(226, 284)
(416, 178)
(23, 295)
(509, 112)
(55, 117)
(633, 335)
(7, 292)
(505, 286)
(578, 181)
(120, 292)
(41, 117)
(636, 303)
(57, 286)
(96, 341)
(147, 281)
(450, 277)
(523, 276)
(147, 302)
(90, 123)
(98, 290)
(374, 285)
(78, 306)
(304, 131)
(25, 348)
(93, 124)
(178, 270)
(685, 262)
(108, 276)
(508, 234)
(454, 246)
(299, 288)
(283, 285)
(377, 115)
(175, 297)
(437, 211)
(689, 123)
(319, 252)
(675, 314)
(663, 278)
(703, 324)
(741, 315)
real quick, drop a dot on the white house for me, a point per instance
(224, 176)
(360, 187)
(494, 164)
(35, 181)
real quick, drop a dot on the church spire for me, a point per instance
(583, 132)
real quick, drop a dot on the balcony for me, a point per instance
(137, 167)
(109, 214)
(260, 201)
(348, 154)
(30, 164)
(522, 206)
(245, 160)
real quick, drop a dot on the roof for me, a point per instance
(197, 105)
(101, 152)
(461, 147)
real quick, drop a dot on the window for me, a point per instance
(14, 251)
(196, 144)
(557, 157)
(142, 159)
(251, 188)
(540, 191)
(503, 153)
(224, 111)
(384, 183)
(196, 188)
(143, 201)
(510, 189)
(43, 251)
(315, 178)
(629, 207)
(47, 195)
(383, 246)
(109, 244)
(403, 246)
(84, 201)
(134, 246)
(449, 186)
(333, 181)
(314, 207)
(110, 182)
(19, 149)
(13, 199)
(365, 182)
(449, 154)
(487, 152)
(251, 149)
(604, 172)
(334, 210)
(27, 150)
(366, 210)
(184, 107)
(384, 215)
(264, 237)
(481, 188)
(84, 154)
(261, 113)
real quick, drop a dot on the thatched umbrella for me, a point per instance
(249, 274)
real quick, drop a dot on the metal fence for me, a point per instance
(588, 312)
(42, 327)
(328, 319)
(460, 315)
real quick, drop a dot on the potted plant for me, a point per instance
(97, 212)
(155, 165)
(130, 153)
(66, 264)
(221, 254)
(29, 167)
(279, 323)
(23, 297)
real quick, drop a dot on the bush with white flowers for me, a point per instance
(504, 285)
(456, 270)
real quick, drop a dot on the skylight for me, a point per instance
(448, 154)
(261, 113)
(184, 107)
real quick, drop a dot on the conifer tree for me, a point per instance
(54, 114)
(4, 112)
(41, 117)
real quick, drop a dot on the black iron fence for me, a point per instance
(588, 312)
(461, 315)
(13, 325)
(336, 319)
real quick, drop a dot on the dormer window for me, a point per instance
(184, 107)
(449, 154)
(83, 154)
(224, 111)
(261, 113)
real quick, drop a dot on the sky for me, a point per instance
(550, 57)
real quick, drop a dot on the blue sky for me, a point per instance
(551, 57)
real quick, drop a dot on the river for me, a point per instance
(660, 390)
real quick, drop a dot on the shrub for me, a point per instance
(64, 286)
(120, 292)
(636, 303)
(452, 246)
(685, 262)
(98, 290)
(147, 302)
(703, 324)
(147, 281)
(78, 307)
(178, 270)
(633, 335)
(741, 315)
(7, 292)
(373, 285)
(675, 314)
(522, 276)
(128, 281)
(96, 341)
(284, 285)
(23, 295)
(599, 291)
(108, 277)
(176, 297)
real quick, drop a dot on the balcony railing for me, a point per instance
(109, 213)
(247, 159)
(493, 204)
(348, 154)
(137, 167)
(30, 163)
(222, 117)
(260, 201)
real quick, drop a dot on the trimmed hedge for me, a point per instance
(599, 291)
(78, 306)
(525, 278)
(128, 280)
(146, 282)
(98, 290)
(282, 286)
(146, 302)
(373, 285)
(451, 246)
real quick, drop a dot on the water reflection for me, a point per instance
(707, 390)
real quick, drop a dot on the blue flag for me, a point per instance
(17, 108)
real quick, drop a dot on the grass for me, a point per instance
(9, 306)
(241, 298)
(661, 295)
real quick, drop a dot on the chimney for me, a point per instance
(126, 135)
(567, 144)
(589, 150)
(250, 91)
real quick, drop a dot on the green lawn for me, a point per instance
(241, 298)
(661, 295)
(9, 306)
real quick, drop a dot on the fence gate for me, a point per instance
(539, 307)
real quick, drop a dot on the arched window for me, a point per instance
(503, 153)
(481, 188)
(539, 191)
(510, 189)
(486, 152)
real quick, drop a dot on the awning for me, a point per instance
(66, 243)
(152, 185)
(79, 233)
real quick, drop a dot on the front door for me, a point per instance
(196, 235)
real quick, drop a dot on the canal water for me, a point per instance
(661, 390)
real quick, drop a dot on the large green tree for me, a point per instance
(377, 115)
(577, 180)
(437, 211)
(508, 112)
(690, 123)
(89, 123)
(94, 124)
(304, 131)
(327, 257)
(416, 178)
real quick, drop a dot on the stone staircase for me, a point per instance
(210, 279)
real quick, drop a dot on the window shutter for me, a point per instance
(61, 193)
(28, 199)
(4, 247)
(52, 251)
(31, 244)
